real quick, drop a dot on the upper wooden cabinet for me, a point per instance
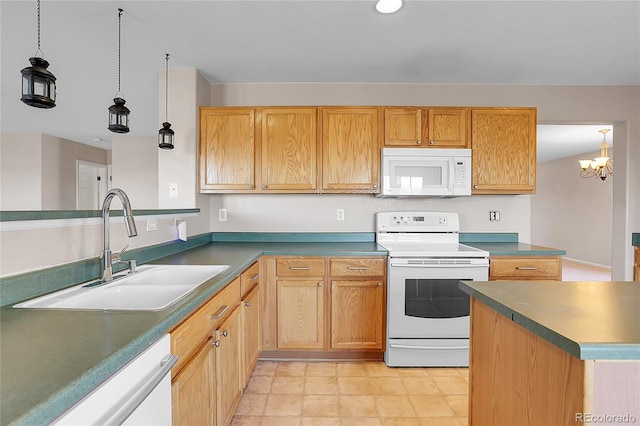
(503, 141)
(289, 149)
(426, 127)
(227, 149)
(258, 149)
(351, 149)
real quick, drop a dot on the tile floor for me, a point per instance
(353, 393)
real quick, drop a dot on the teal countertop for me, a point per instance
(517, 249)
(635, 239)
(41, 377)
(590, 320)
(50, 359)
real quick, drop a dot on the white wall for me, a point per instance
(135, 170)
(20, 162)
(556, 104)
(38, 171)
(572, 212)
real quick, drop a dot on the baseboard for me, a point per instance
(584, 262)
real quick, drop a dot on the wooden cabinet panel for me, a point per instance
(426, 127)
(357, 314)
(300, 314)
(503, 141)
(249, 279)
(228, 367)
(193, 391)
(250, 306)
(227, 149)
(525, 268)
(189, 335)
(289, 148)
(300, 267)
(357, 267)
(447, 127)
(403, 127)
(350, 149)
(636, 268)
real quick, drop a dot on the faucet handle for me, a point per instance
(116, 256)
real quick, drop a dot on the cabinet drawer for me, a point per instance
(249, 279)
(357, 267)
(532, 267)
(187, 337)
(300, 267)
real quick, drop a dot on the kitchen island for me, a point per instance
(554, 353)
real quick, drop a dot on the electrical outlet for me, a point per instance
(494, 215)
(222, 215)
(173, 190)
(152, 225)
(340, 214)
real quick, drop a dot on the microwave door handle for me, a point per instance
(451, 176)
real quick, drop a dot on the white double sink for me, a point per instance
(150, 288)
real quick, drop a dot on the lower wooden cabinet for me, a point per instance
(507, 268)
(319, 305)
(193, 390)
(250, 306)
(218, 346)
(229, 372)
(300, 314)
(357, 314)
(636, 267)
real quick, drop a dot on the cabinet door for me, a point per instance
(300, 314)
(289, 149)
(227, 149)
(403, 127)
(357, 314)
(448, 127)
(228, 367)
(504, 150)
(350, 149)
(251, 333)
(193, 391)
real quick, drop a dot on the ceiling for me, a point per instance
(461, 42)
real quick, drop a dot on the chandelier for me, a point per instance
(599, 167)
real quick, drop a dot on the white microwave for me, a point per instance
(425, 172)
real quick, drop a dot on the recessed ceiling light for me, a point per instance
(388, 6)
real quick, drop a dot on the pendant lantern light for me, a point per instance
(38, 84)
(165, 135)
(118, 113)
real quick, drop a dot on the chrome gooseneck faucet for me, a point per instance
(109, 259)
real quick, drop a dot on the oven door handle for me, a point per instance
(392, 345)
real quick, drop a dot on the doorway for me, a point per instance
(92, 184)
(568, 211)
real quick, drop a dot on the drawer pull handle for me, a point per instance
(255, 277)
(357, 268)
(299, 268)
(216, 343)
(379, 284)
(320, 284)
(526, 268)
(247, 304)
(220, 313)
(225, 333)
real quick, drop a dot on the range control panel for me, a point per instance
(409, 221)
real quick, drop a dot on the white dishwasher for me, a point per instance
(137, 394)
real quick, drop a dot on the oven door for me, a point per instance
(424, 301)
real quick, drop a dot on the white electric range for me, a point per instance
(427, 314)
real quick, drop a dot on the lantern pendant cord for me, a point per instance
(166, 90)
(119, 47)
(39, 50)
